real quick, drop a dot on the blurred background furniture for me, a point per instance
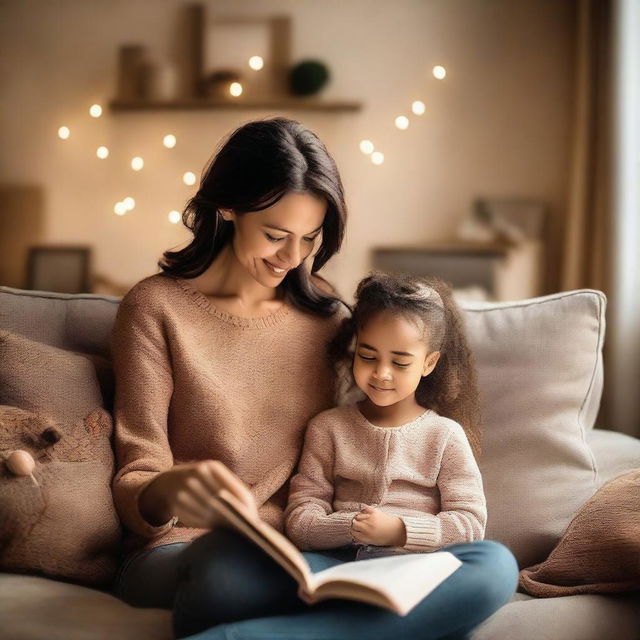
(476, 270)
(21, 226)
(64, 269)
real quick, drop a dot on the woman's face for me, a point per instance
(269, 243)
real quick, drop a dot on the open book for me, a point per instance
(397, 582)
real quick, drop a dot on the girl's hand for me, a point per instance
(186, 490)
(374, 526)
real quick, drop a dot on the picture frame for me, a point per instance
(228, 42)
(63, 269)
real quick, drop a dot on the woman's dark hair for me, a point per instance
(451, 388)
(255, 167)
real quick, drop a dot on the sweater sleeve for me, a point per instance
(144, 384)
(311, 522)
(463, 509)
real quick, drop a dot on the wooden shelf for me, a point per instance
(285, 103)
(453, 247)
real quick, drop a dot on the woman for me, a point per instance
(219, 365)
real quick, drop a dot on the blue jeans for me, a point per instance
(222, 586)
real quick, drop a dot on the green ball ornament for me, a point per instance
(308, 77)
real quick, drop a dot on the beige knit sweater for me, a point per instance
(423, 472)
(194, 382)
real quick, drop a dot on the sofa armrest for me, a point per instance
(615, 453)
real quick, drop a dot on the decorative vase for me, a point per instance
(308, 77)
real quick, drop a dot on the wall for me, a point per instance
(499, 124)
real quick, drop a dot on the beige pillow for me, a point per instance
(36, 376)
(62, 522)
(600, 551)
(540, 377)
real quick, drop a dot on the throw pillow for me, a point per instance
(38, 376)
(539, 372)
(60, 519)
(600, 551)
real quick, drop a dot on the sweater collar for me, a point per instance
(407, 425)
(259, 322)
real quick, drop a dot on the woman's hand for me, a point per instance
(186, 491)
(374, 526)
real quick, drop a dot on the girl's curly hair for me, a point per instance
(451, 389)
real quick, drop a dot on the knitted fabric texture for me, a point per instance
(423, 472)
(195, 383)
(600, 550)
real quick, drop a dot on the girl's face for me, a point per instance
(269, 243)
(391, 358)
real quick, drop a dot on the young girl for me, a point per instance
(396, 472)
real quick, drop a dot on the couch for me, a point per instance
(540, 375)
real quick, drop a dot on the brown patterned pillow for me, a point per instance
(600, 550)
(60, 521)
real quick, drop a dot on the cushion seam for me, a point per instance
(535, 301)
(58, 296)
(589, 390)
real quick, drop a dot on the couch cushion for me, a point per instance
(585, 617)
(34, 608)
(615, 453)
(539, 371)
(79, 323)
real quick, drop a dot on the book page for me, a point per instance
(404, 580)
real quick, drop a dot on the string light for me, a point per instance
(256, 63)
(439, 72)
(235, 89)
(366, 146)
(418, 107)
